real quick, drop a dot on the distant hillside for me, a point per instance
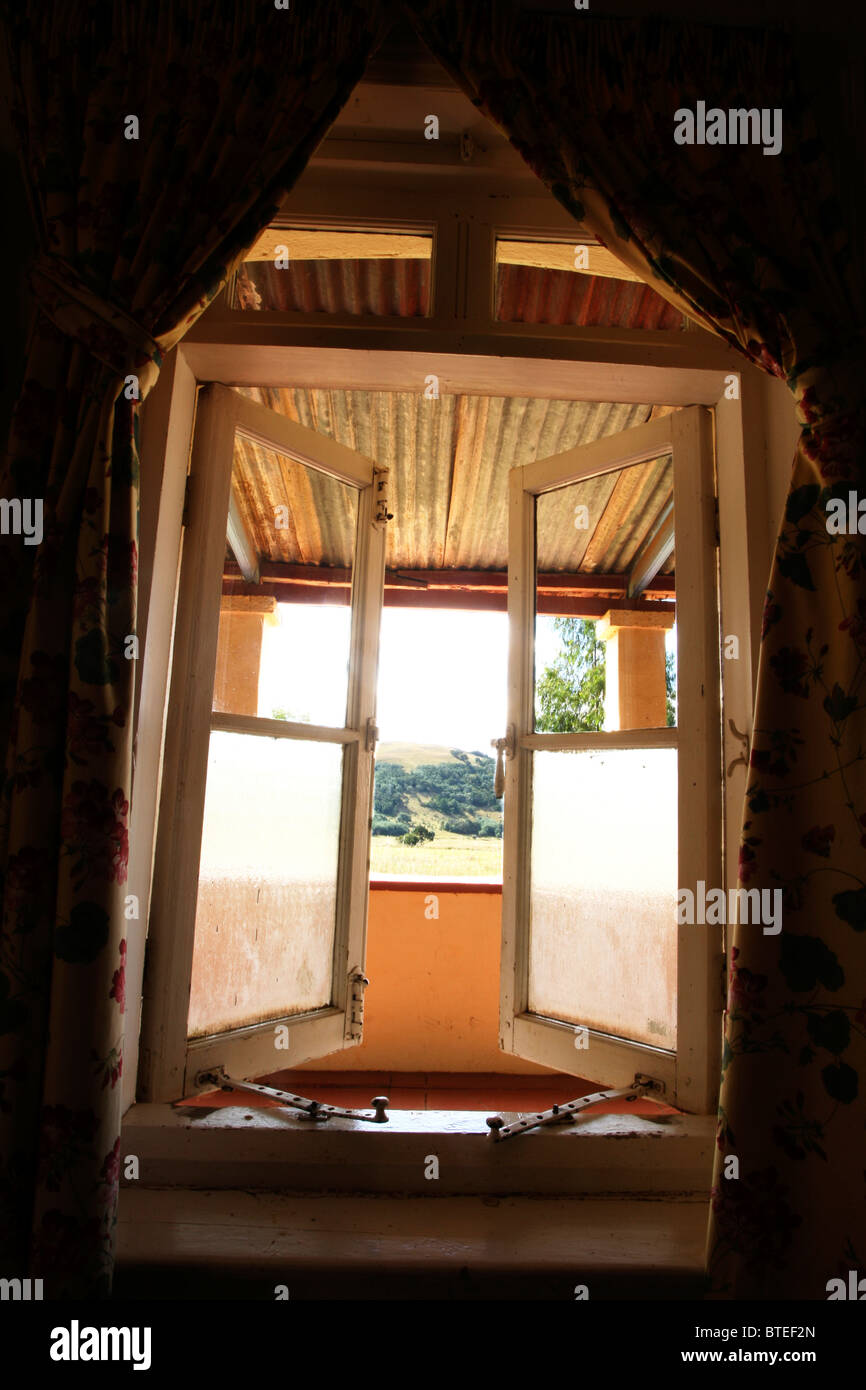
(411, 755)
(443, 789)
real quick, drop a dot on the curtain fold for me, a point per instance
(156, 143)
(752, 246)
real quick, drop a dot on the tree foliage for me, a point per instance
(569, 695)
(458, 791)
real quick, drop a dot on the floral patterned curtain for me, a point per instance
(752, 246)
(156, 142)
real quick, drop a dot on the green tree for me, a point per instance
(671, 688)
(569, 694)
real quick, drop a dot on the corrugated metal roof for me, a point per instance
(401, 289)
(529, 294)
(448, 489)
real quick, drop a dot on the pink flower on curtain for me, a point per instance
(118, 980)
(94, 825)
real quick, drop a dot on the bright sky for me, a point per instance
(442, 674)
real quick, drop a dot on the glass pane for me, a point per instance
(561, 283)
(606, 603)
(284, 642)
(336, 272)
(264, 931)
(603, 896)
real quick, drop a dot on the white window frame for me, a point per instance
(221, 415)
(689, 1073)
(471, 354)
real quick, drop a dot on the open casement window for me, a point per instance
(603, 827)
(263, 851)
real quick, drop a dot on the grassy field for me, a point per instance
(412, 755)
(448, 856)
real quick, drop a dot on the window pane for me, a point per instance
(264, 931)
(563, 283)
(605, 603)
(284, 643)
(603, 935)
(324, 271)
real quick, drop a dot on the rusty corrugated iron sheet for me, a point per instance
(528, 294)
(401, 289)
(448, 489)
(397, 288)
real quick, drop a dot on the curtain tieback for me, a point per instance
(108, 333)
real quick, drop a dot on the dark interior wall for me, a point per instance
(19, 248)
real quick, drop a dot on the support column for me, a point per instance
(634, 692)
(239, 652)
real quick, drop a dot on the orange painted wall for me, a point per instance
(432, 1004)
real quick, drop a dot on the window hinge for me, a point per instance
(381, 515)
(371, 735)
(358, 983)
(564, 1114)
(310, 1109)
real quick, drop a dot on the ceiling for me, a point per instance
(449, 461)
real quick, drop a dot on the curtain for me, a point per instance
(156, 143)
(753, 247)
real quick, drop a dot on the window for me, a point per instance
(266, 859)
(601, 827)
(568, 282)
(303, 270)
(268, 855)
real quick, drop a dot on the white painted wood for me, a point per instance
(578, 365)
(276, 431)
(169, 1062)
(281, 728)
(699, 1001)
(338, 1245)
(615, 738)
(166, 438)
(691, 1074)
(517, 806)
(241, 1148)
(607, 455)
(175, 880)
(743, 579)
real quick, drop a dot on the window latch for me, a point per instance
(746, 753)
(371, 735)
(506, 747)
(309, 1109)
(564, 1114)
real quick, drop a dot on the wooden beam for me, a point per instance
(654, 553)
(559, 255)
(494, 581)
(569, 605)
(331, 245)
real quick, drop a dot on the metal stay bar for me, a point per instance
(310, 1109)
(564, 1114)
